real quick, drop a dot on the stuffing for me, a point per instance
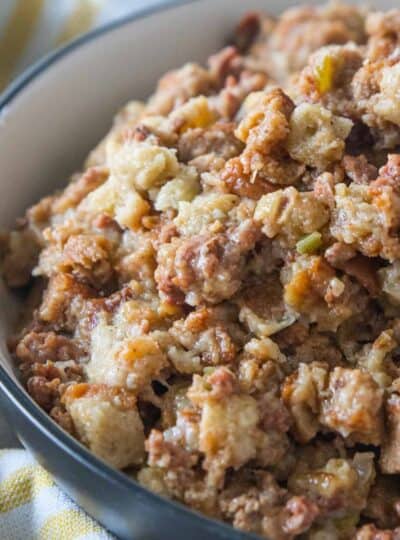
(205, 266)
(142, 165)
(215, 143)
(289, 215)
(339, 487)
(127, 118)
(366, 217)
(262, 310)
(195, 113)
(118, 201)
(370, 532)
(183, 188)
(327, 78)
(212, 302)
(205, 337)
(130, 363)
(86, 256)
(227, 431)
(387, 102)
(177, 87)
(20, 257)
(265, 129)
(135, 167)
(377, 358)
(354, 406)
(316, 136)
(302, 392)
(286, 44)
(107, 420)
(390, 282)
(203, 212)
(311, 284)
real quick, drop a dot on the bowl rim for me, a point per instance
(18, 395)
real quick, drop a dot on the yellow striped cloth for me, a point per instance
(32, 507)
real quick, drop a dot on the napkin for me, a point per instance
(32, 507)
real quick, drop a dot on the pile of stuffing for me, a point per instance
(214, 300)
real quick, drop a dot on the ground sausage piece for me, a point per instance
(76, 191)
(88, 257)
(63, 418)
(166, 454)
(389, 174)
(177, 87)
(223, 383)
(218, 140)
(370, 532)
(43, 346)
(301, 512)
(63, 301)
(205, 267)
(338, 254)
(225, 63)
(255, 506)
(247, 30)
(240, 182)
(383, 503)
(44, 392)
(365, 272)
(359, 170)
(364, 269)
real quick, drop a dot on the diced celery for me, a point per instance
(309, 244)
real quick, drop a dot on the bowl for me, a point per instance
(49, 119)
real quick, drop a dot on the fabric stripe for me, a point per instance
(22, 486)
(69, 524)
(46, 515)
(47, 503)
(16, 35)
(52, 502)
